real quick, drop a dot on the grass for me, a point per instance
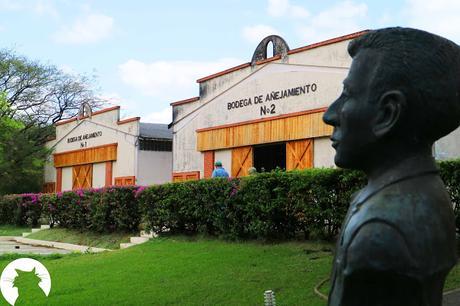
(182, 271)
(11, 230)
(190, 271)
(107, 241)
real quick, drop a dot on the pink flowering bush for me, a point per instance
(102, 210)
(114, 209)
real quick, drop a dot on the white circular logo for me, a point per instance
(12, 272)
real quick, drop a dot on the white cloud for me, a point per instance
(280, 8)
(440, 17)
(43, 7)
(149, 112)
(162, 116)
(127, 108)
(167, 81)
(40, 7)
(89, 29)
(343, 18)
(67, 69)
(255, 34)
(113, 98)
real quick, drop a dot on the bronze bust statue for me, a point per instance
(397, 243)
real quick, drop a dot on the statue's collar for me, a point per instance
(411, 167)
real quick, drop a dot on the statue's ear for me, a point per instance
(391, 106)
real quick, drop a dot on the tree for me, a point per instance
(21, 159)
(40, 95)
(34, 96)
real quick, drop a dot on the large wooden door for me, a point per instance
(82, 176)
(241, 161)
(299, 154)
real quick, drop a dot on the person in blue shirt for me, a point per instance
(219, 171)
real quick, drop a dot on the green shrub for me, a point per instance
(450, 174)
(113, 209)
(101, 210)
(275, 205)
(20, 210)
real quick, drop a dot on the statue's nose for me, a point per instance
(330, 117)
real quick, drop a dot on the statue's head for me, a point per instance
(402, 92)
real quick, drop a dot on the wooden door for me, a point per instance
(299, 154)
(82, 176)
(241, 161)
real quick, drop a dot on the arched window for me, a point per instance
(270, 49)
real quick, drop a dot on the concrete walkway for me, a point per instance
(451, 298)
(9, 245)
(59, 245)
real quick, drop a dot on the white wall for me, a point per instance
(334, 55)
(225, 156)
(66, 178)
(154, 167)
(125, 135)
(326, 67)
(98, 175)
(323, 153)
(448, 147)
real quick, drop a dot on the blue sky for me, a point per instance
(147, 54)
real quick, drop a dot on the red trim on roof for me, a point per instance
(106, 110)
(328, 42)
(293, 51)
(185, 101)
(93, 114)
(215, 75)
(64, 121)
(270, 59)
(119, 122)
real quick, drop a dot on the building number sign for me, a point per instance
(83, 138)
(267, 102)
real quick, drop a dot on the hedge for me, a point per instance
(274, 205)
(277, 205)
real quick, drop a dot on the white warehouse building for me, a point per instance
(97, 149)
(267, 113)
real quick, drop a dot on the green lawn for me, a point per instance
(179, 271)
(11, 230)
(108, 241)
(189, 271)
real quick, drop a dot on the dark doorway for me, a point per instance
(269, 157)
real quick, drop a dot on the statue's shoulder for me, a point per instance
(411, 200)
(410, 218)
